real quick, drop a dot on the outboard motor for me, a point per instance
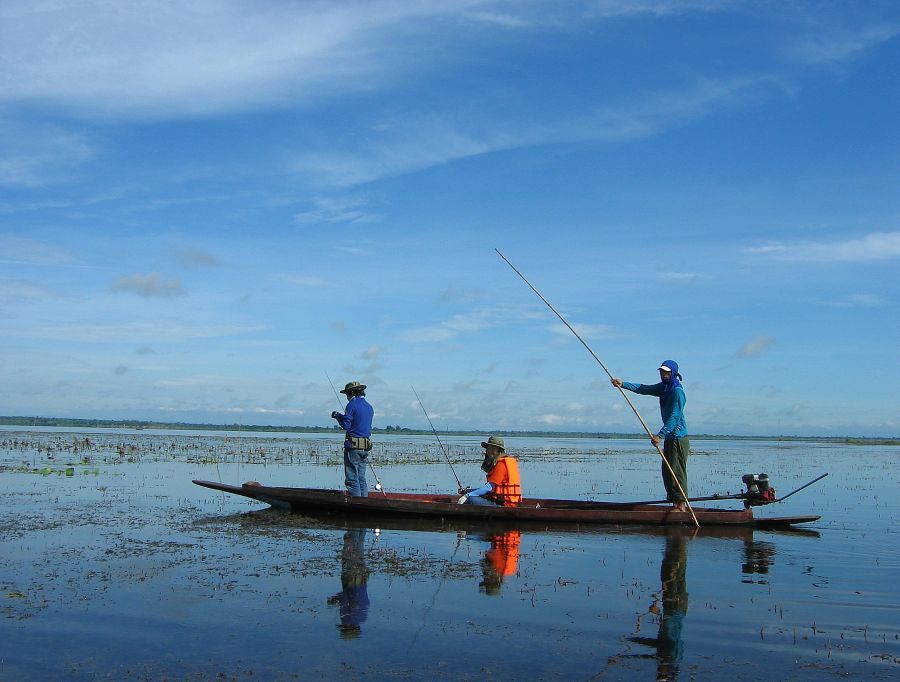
(758, 490)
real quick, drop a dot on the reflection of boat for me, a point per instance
(530, 511)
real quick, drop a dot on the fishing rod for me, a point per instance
(609, 374)
(378, 486)
(458, 483)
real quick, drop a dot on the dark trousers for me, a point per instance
(676, 451)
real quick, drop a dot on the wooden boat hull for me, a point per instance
(530, 511)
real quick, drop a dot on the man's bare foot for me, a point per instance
(680, 506)
(252, 483)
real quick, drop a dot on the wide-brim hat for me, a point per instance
(496, 441)
(353, 386)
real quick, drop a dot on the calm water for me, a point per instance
(123, 569)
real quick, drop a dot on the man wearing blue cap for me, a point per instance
(673, 434)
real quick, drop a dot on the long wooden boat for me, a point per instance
(530, 511)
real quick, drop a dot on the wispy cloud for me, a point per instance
(169, 58)
(838, 44)
(586, 331)
(37, 154)
(414, 145)
(453, 295)
(155, 331)
(855, 301)
(335, 210)
(22, 291)
(151, 285)
(194, 259)
(308, 281)
(469, 323)
(684, 277)
(17, 250)
(872, 247)
(755, 347)
(371, 353)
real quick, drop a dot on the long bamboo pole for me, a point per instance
(609, 374)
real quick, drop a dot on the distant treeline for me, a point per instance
(186, 426)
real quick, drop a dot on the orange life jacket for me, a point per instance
(504, 552)
(507, 483)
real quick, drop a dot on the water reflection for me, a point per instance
(758, 556)
(353, 599)
(674, 598)
(500, 560)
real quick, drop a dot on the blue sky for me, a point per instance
(205, 207)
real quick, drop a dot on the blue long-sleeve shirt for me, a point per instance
(671, 407)
(357, 418)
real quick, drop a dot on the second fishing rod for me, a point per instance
(434, 431)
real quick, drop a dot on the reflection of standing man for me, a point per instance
(668, 644)
(354, 596)
(675, 605)
(357, 422)
(501, 560)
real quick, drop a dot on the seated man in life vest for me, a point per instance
(503, 487)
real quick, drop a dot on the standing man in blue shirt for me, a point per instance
(357, 423)
(673, 434)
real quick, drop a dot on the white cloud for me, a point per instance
(37, 154)
(586, 331)
(21, 291)
(872, 247)
(154, 331)
(686, 277)
(371, 353)
(169, 58)
(856, 301)
(755, 346)
(18, 250)
(416, 144)
(308, 281)
(335, 210)
(474, 321)
(151, 285)
(449, 329)
(194, 259)
(840, 44)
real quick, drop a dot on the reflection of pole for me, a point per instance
(378, 485)
(621, 390)
(459, 538)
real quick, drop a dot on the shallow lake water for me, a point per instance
(113, 565)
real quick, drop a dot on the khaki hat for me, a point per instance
(496, 441)
(353, 386)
